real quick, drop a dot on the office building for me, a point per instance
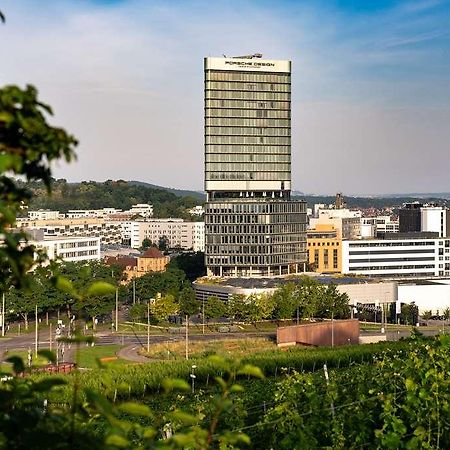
(410, 218)
(435, 219)
(176, 232)
(324, 249)
(397, 257)
(252, 227)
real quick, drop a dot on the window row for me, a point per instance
(253, 207)
(246, 76)
(246, 131)
(248, 176)
(270, 229)
(240, 95)
(244, 140)
(248, 149)
(247, 122)
(248, 158)
(244, 167)
(251, 113)
(253, 239)
(401, 267)
(247, 86)
(265, 219)
(247, 104)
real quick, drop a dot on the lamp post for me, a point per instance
(148, 326)
(193, 377)
(332, 328)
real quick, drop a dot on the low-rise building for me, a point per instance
(403, 257)
(179, 234)
(69, 248)
(324, 249)
(44, 214)
(108, 231)
(152, 260)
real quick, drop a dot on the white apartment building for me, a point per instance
(70, 248)
(397, 257)
(108, 231)
(197, 211)
(435, 219)
(99, 213)
(143, 209)
(186, 235)
(385, 224)
(374, 226)
(44, 214)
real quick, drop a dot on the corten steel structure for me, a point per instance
(252, 227)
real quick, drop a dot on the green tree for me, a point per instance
(261, 306)
(28, 145)
(285, 302)
(189, 305)
(146, 243)
(239, 307)
(163, 307)
(215, 308)
(192, 264)
(168, 282)
(426, 315)
(163, 243)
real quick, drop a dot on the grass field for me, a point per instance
(92, 357)
(236, 348)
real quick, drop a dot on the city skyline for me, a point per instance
(371, 89)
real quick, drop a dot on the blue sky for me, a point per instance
(371, 84)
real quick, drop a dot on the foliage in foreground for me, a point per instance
(402, 401)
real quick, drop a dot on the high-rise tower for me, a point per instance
(252, 227)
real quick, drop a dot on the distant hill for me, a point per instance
(177, 192)
(391, 201)
(118, 194)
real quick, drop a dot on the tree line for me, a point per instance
(118, 194)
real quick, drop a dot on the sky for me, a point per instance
(370, 85)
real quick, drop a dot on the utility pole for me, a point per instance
(117, 309)
(36, 331)
(148, 326)
(50, 335)
(3, 314)
(134, 291)
(187, 336)
(203, 316)
(332, 328)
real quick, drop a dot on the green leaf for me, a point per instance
(99, 401)
(252, 371)
(48, 384)
(100, 288)
(47, 354)
(236, 388)
(17, 362)
(117, 441)
(184, 418)
(135, 409)
(175, 384)
(64, 285)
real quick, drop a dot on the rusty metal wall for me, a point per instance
(342, 332)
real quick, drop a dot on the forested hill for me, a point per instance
(112, 194)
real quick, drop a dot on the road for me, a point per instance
(27, 341)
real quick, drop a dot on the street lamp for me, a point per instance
(193, 377)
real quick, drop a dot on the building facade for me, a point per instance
(109, 232)
(179, 234)
(252, 227)
(69, 248)
(324, 249)
(401, 258)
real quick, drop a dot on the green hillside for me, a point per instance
(115, 194)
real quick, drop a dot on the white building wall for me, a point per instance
(43, 215)
(396, 257)
(186, 235)
(433, 218)
(434, 297)
(70, 249)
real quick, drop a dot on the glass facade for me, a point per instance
(252, 228)
(247, 126)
